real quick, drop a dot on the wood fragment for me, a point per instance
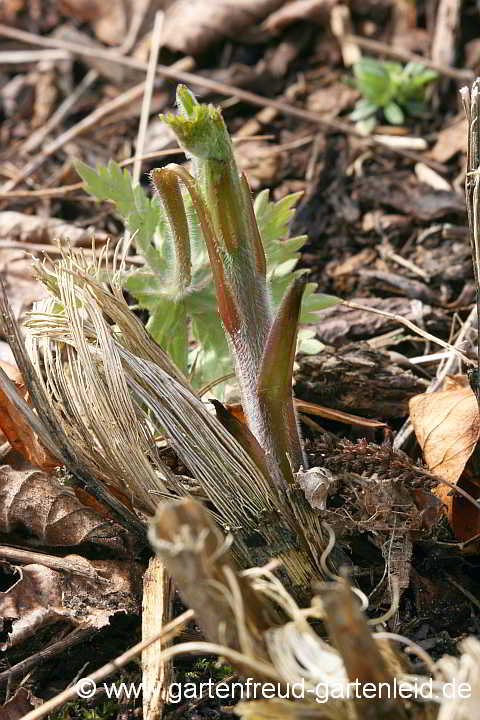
(156, 613)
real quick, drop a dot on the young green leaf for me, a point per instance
(394, 113)
(389, 86)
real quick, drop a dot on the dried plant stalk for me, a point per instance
(197, 555)
(364, 663)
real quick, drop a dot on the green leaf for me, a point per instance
(388, 85)
(394, 114)
(143, 217)
(168, 325)
(313, 303)
(307, 342)
(373, 79)
(363, 110)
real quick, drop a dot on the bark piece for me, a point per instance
(409, 196)
(340, 322)
(357, 379)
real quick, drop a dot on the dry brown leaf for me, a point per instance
(34, 229)
(447, 426)
(107, 17)
(259, 163)
(190, 26)
(450, 141)
(16, 268)
(42, 596)
(332, 99)
(17, 431)
(19, 705)
(316, 10)
(9, 9)
(35, 504)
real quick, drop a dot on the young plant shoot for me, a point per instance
(262, 344)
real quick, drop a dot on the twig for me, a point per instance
(14, 57)
(221, 88)
(168, 632)
(67, 189)
(67, 564)
(445, 32)
(147, 95)
(139, 10)
(44, 192)
(384, 49)
(20, 669)
(157, 603)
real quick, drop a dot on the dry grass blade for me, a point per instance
(46, 423)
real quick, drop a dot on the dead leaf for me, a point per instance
(16, 268)
(16, 226)
(107, 17)
(42, 596)
(333, 99)
(316, 483)
(17, 431)
(19, 705)
(36, 504)
(9, 9)
(447, 426)
(13, 373)
(259, 162)
(450, 141)
(190, 26)
(316, 10)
